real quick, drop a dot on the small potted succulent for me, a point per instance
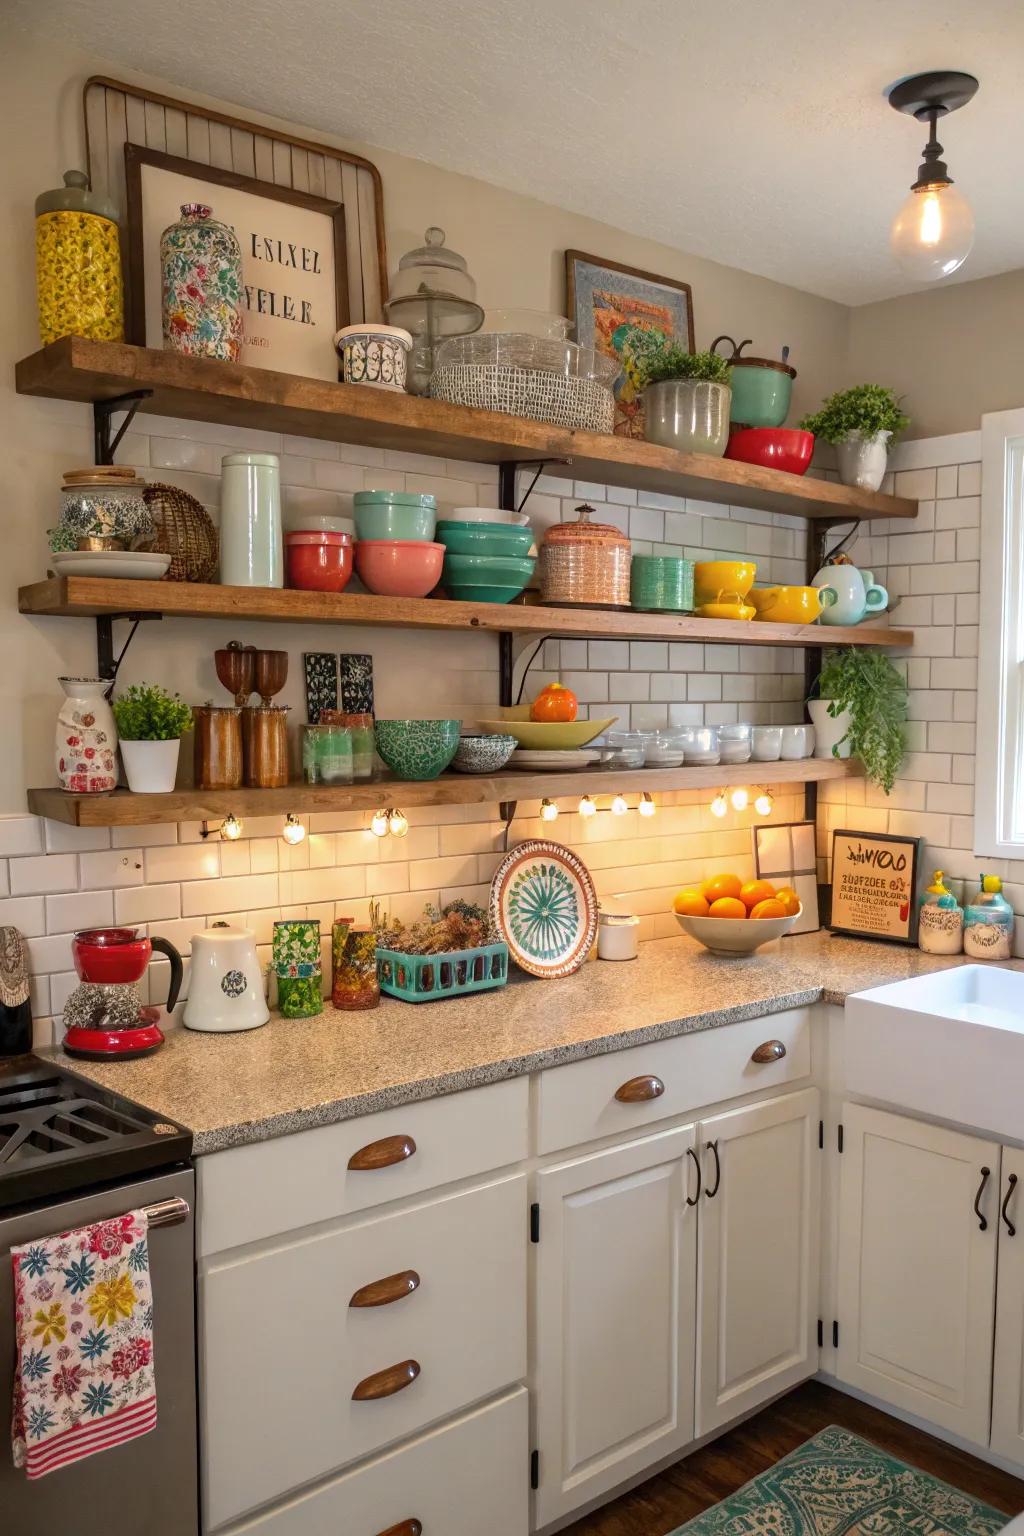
(861, 423)
(687, 396)
(151, 723)
(861, 711)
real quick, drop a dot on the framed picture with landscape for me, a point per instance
(607, 301)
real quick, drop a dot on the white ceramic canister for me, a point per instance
(251, 544)
(617, 935)
(225, 991)
(374, 354)
(85, 744)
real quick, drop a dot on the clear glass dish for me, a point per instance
(735, 742)
(528, 322)
(515, 349)
(664, 749)
(701, 745)
(620, 749)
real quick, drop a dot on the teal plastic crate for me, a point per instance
(426, 978)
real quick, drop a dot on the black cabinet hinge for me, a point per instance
(821, 1333)
(535, 1469)
(835, 1335)
(535, 1223)
(821, 1135)
(839, 1137)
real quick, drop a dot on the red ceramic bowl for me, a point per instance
(318, 562)
(399, 567)
(110, 954)
(772, 447)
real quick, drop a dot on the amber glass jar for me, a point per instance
(354, 955)
(78, 264)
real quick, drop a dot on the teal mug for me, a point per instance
(761, 387)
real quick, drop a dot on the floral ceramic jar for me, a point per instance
(78, 264)
(374, 354)
(201, 286)
(86, 740)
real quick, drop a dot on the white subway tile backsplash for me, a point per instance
(20, 835)
(648, 656)
(203, 898)
(61, 838)
(53, 872)
(85, 909)
(118, 866)
(190, 861)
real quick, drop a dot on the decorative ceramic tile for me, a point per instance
(321, 683)
(356, 683)
(544, 905)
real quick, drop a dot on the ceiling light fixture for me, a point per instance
(933, 232)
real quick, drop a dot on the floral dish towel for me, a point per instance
(83, 1320)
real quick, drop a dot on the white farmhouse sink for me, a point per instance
(950, 1044)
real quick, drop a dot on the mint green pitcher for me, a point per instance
(761, 387)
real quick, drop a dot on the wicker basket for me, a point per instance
(184, 530)
(585, 563)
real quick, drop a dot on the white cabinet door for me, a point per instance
(1008, 1384)
(758, 1255)
(615, 1316)
(917, 1267)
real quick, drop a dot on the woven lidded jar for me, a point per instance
(586, 563)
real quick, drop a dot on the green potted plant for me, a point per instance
(861, 710)
(686, 395)
(151, 723)
(861, 423)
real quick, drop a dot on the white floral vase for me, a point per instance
(86, 740)
(863, 460)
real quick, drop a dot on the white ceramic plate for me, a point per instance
(544, 905)
(124, 565)
(552, 760)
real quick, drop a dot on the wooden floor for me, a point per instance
(711, 1474)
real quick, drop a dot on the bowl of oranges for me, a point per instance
(730, 916)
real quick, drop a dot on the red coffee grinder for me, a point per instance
(104, 1017)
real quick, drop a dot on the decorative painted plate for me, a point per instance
(544, 905)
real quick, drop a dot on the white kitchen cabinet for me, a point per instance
(758, 1251)
(1008, 1380)
(917, 1267)
(615, 1316)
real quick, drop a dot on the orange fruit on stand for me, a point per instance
(770, 908)
(555, 702)
(756, 891)
(789, 898)
(690, 904)
(727, 906)
(722, 885)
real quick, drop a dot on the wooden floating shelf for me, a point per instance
(231, 394)
(93, 596)
(123, 809)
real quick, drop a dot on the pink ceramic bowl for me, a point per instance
(399, 567)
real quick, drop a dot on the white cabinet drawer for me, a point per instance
(282, 1350)
(578, 1103)
(249, 1193)
(459, 1480)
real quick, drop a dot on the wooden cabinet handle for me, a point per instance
(381, 1154)
(404, 1528)
(381, 1293)
(639, 1089)
(771, 1050)
(395, 1378)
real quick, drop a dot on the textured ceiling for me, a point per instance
(753, 134)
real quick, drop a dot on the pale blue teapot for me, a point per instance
(857, 594)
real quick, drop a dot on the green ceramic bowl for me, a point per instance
(417, 749)
(485, 578)
(484, 539)
(661, 583)
(395, 515)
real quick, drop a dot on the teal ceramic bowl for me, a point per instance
(485, 578)
(661, 583)
(395, 515)
(417, 749)
(484, 539)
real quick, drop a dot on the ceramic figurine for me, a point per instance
(201, 286)
(86, 738)
(857, 594)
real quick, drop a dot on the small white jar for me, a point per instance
(767, 743)
(618, 936)
(251, 543)
(374, 354)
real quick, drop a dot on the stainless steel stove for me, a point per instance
(72, 1153)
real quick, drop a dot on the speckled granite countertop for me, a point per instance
(289, 1076)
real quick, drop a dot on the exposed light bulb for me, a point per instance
(647, 806)
(763, 804)
(293, 830)
(740, 799)
(587, 807)
(619, 806)
(379, 824)
(548, 810)
(398, 826)
(719, 805)
(230, 828)
(933, 232)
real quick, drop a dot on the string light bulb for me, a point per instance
(379, 824)
(293, 830)
(740, 799)
(763, 804)
(548, 810)
(647, 806)
(720, 805)
(587, 807)
(231, 829)
(619, 806)
(398, 826)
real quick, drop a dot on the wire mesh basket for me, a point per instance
(532, 376)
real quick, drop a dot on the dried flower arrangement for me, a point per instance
(457, 925)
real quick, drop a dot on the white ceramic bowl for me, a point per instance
(735, 935)
(486, 515)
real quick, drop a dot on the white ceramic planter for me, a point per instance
(863, 460)
(829, 732)
(151, 767)
(689, 414)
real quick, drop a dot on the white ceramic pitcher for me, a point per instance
(857, 594)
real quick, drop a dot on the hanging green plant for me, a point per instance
(866, 683)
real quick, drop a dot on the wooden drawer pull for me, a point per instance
(639, 1089)
(381, 1154)
(395, 1378)
(404, 1528)
(381, 1293)
(771, 1050)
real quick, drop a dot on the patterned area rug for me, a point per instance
(840, 1485)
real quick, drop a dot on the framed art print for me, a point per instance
(784, 853)
(294, 262)
(874, 886)
(607, 302)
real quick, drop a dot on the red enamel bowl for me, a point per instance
(772, 447)
(318, 562)
(110, 954)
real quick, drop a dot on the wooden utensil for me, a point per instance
(271, 674)
(236, 669)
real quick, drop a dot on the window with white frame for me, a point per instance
(999, 790)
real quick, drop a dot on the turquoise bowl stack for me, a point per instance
(485, 562)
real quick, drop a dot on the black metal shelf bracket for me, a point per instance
(107, 663)
(105, 440)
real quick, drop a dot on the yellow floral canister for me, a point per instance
(78, 264)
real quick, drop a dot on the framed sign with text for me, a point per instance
(874, 886)
(294, 264)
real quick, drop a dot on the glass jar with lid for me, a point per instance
(78, 263)
(433, 297)
(585, 563)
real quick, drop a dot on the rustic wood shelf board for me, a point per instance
(231, 394)
(93, 596)
(122, 809)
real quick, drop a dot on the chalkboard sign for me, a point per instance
(874, 886)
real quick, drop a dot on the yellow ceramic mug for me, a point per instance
(715, 581)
